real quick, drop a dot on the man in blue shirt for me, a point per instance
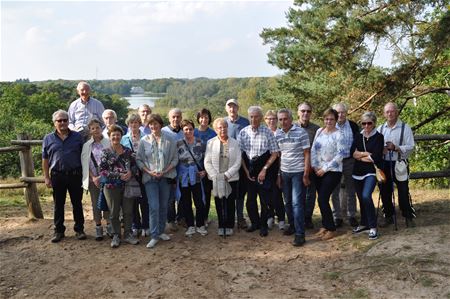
(235, 124)
(61, 164)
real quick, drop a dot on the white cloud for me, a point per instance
(76, 39)
(35, 35)
(221, 45)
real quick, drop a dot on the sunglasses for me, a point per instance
(64, 120)
(305, 111)
(369, 123)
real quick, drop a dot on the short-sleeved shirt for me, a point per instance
(63, 155)
(292, 144)
(255, 142)
(80, 113)
(205, 135)
(234, 128)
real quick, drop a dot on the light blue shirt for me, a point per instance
(80, 114)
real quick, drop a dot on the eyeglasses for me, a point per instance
(369, 123)
(305, 111)
(64, 120)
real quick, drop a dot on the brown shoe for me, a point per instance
(322, 231)
(329, 235)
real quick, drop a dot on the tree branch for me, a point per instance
(366, 101)
(430, 118)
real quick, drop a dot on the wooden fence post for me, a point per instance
(31, 193)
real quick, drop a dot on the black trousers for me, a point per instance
(325, 186)
(387, 192)
(187, 194)
(276, 204)
(227, 209)
(207, 187)
(255, 189)
(63, 182)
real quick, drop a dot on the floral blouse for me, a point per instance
(328, 151)
(113, 165)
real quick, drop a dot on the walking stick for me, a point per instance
(224, 215)
(393, 193)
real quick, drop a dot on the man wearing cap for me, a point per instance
(83, 109)
(235, 124)
(399, 144)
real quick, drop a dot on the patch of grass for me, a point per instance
(427, 281)
(363, 245)
(356, 293)
(12, 201)
(331, 275)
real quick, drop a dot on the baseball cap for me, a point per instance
(232, 101)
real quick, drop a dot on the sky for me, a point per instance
(86, 40)
(126, 40)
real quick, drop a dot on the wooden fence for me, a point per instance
(28, 181)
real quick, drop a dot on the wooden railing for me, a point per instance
(28, 181)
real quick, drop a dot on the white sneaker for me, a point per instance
(228, 231)
(270, 223)
(281, 225)
(135, 232)
(152, 243)
(164, 237)
(202, 230)
(220, 231)
(190, 231)
(115, 241)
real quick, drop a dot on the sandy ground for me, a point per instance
(408, 263)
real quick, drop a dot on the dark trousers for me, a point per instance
(310, 198)
(172, 214)
(276, 204)
(207, 187)
(387, 192)
(61, 184)
(325, 186)
(364, 189)
(242, 190)
(140, 211)
(187, 194)
(225, 212)
(255, 189)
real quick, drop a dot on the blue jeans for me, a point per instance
(158, 199)
(294, 196)
(364, 189)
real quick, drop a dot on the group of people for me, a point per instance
(150, 175)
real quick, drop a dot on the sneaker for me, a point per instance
(289, 231)
(190, 231)
(173, 227)
(353, 222)
(242, 224)
(109, 231)
(98, 233)
(373, 235)
(329, 235)
(135, 232)
(270, 222)
(201, 230)
(299, 240)
(80, 235)
(130, 239)
(281, 225)
(359, 229)
(386, 221)
(164, 237)
(152, 243)
(410, 222)
(220, 232)
(228, 231)
(57, 237)
(338, 222)
(309, 224)
(115, 241)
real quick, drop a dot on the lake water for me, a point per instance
(137, 100)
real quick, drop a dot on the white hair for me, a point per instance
(342, 105)
(108, 111)
(59, 112)
(253, 109)
(174, 110)
(83, 83)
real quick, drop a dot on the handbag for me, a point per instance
(132, 189)
(379, 174)
(401, 170)
(102, 205)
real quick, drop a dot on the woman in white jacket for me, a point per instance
(90, 161)
(222, 163)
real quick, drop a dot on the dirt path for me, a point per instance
(409, 263)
